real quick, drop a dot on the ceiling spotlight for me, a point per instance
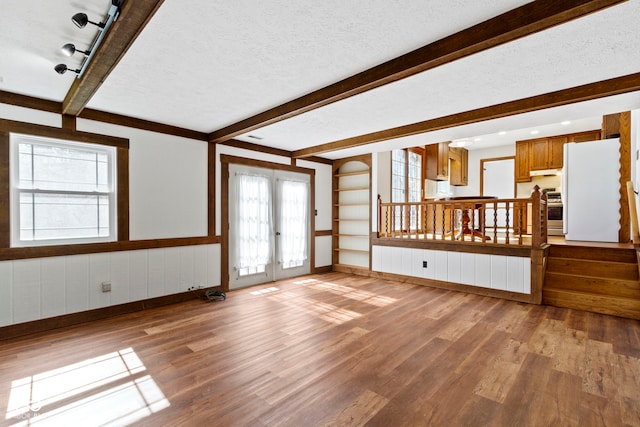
(81, 20)
(566, 122)
(62, 68)
(69, 49)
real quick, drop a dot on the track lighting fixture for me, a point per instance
(62, 68)
(69, 49)
(81, 20)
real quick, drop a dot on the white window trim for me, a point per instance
(15, 192)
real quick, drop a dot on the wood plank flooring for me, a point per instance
(330, 350)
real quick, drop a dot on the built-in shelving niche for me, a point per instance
(352, 212)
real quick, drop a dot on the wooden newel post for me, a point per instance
(539, 220)
(379, 215)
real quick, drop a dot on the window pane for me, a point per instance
(63, 216)
(398, 176)
(61, 168)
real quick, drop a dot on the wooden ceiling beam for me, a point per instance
(530, 18)
(134, 16)
(587, 92)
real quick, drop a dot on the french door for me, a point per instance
(269, 225)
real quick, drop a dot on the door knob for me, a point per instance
(277, 233)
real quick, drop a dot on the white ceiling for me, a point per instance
(203, 65)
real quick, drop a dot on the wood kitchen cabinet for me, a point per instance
(591, 135)
(522, 161)
(459, 166)
(556, 152)
(437, 161)
(546, 153)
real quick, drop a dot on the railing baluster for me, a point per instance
(495, 222)
(520, 225)
(472, 221)
(506, 240)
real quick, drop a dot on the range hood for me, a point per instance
(545, 172)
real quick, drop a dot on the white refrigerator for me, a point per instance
(591, 190)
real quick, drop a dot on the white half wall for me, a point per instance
(507, 273)
(34, 289)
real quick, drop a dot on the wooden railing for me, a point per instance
(484, 220)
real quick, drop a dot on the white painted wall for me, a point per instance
(21, 114)
(500, 272)
(167, 182)
(34, 289)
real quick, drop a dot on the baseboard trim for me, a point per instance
(44, 325)
(322, 270)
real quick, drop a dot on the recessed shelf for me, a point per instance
(355, 251)
(352, 189)
(351, 220)
(351, 235)
(364, 172)
(351, 204)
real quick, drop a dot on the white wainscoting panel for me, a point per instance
(499, 272)
(430, 257)
(489, 271)
(172, 270)
(6, 293)
(52, 279)
(156, 273)
(442, 265)
(98, 273)
(468, 262)
(454, 267)
(483, 270)
(38, 288)
(138, 275)
(417, 258)
(323, 251)
(26, 290)
(120, 277)
(77, 283)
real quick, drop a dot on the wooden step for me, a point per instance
(587, 267)
(598, 254)
(594, 285)
(615, 306)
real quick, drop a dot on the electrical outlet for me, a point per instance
(424, 264)
(106, 286)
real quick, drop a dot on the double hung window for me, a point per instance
(406, 186)
(62, 192)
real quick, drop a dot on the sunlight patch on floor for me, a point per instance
(107, 390)
(353, 293)
(265, 291)
(324, 311)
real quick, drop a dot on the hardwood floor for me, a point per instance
(330, 350)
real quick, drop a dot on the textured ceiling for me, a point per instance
(214, 63)
(31, 35)
(203, 65)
